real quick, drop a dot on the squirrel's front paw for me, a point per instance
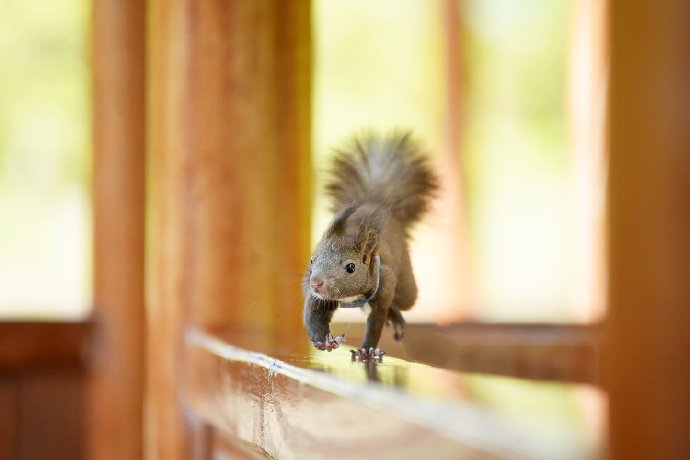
(370, 355)
(330, 343)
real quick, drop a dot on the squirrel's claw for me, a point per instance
(330, 343)
(370, 355)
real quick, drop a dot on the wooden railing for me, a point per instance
(244, 396)
(291, 404)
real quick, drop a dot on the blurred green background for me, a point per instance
(382, 64)
(45, 129)
(376, 64)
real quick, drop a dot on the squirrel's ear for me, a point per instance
(366, 242)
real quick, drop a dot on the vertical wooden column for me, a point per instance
(444, 249)
(588, 62)
(455, 272)
(115, 414)
(649, 212)
(229, 141)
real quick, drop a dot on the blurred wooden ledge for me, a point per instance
(32, 345)
(540, 351)
(293, 404)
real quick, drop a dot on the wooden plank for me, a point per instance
(229, 166)
(115, 408)
(9, 417)
(42, 389)
(26, 346)
(168, 35)
(648, 376)
(51, 422)
(320, 404)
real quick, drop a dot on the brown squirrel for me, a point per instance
(380, 187)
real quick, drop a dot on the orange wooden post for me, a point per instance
(587, 83)
(453, 251)
(229, 142)
(115, 414)
(648, 342)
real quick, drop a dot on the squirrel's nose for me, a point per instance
(316, 282)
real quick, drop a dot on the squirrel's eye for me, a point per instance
(350, 268)
(311, 260)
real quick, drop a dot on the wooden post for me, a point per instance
(456, 272)
(648, 375)
(115, 414)
(587, 84)
(229, 169)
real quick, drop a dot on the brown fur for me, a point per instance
(380, 188)
(389, 169)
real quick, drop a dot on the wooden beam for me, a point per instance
(28, 346)
(648, 376)
(115, 398)
(316, 405)
(229, 168)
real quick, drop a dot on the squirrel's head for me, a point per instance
(341, 266)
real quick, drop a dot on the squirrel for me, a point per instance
(380, 187)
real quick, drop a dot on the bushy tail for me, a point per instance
(391, 169)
